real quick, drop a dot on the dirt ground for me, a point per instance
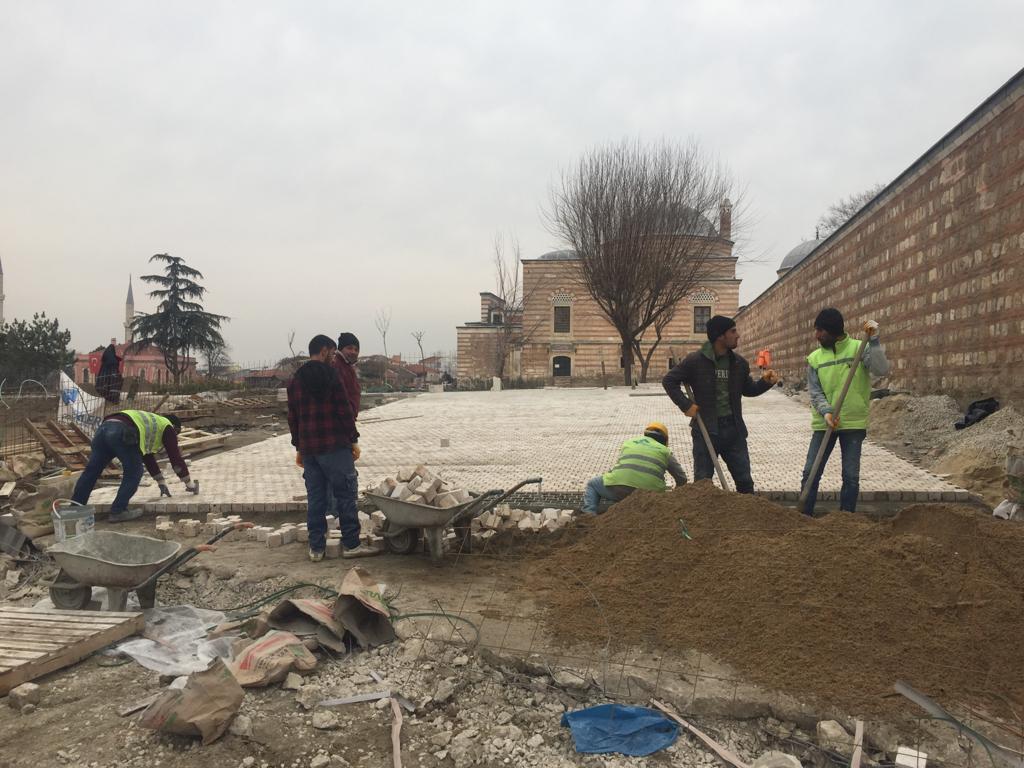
(836, 608)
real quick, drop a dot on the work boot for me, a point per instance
(361, 551)
(315, 556)
(125, 515)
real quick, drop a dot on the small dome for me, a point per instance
(566, 255)
(798, 254)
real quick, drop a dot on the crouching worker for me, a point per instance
(134, 438)
(643, 462)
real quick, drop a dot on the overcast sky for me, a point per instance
(319, 161)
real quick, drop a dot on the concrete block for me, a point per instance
(301, 534)
(527, 524)
(414, 482)
(190, 529)
(213, 514)
(274, 540)
(445, 501)
(401, 492)
(333, 551)
(334, 535)
(421, 471)
(405, 475)
(26, 693)
(386, 486)
(287, 535)
(162, 519)
(332, 523)
(263, 532)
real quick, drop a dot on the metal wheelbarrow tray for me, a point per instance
(121, 563)
(407, 520)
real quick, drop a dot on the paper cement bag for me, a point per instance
(304, 617)
(204, 707)
(270, 658)
(361, 609)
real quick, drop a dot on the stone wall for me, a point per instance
(937, 258)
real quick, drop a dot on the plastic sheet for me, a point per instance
(634, 731)
(174, 641)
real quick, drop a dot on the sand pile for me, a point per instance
(835, 608)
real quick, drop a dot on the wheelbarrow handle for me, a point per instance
(188, 554)
(489, 500)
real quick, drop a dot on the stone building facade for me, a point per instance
(937, 257)
(561, 335)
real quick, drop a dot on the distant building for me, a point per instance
(146, 364)
(565, 336)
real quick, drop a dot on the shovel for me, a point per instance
(837, 407)
(707, 442)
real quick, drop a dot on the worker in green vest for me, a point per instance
(827, 369)
(134, 438)
(643, 462)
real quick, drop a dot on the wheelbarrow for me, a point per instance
(407, 521)
(122, 563)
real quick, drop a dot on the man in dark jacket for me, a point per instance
(345, 359)
(323, 432)
(719, 378)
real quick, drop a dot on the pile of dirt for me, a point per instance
(976, 457)
(835, 608)
(919, 426)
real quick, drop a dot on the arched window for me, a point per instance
(561, 365)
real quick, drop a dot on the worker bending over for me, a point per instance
(134, 438)
(643, 462)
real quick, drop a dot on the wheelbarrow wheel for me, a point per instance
(402, 542)
(71, 598)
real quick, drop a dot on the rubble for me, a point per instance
(24, 695)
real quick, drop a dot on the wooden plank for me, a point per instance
(7, 489)
(56, 619)
(69, 654)
(27, 645)
(113, 615)
(858, 744)
(36, 633)
(717, 748)
(14, 655)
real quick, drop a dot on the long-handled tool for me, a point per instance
(707, 442)
(837, 406)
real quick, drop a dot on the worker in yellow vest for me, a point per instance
(643, 462)
(134, 438)
(827, 369)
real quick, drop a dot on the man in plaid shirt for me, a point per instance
(324, 432)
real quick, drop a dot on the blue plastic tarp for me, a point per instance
(634, 731)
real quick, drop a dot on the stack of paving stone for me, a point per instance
(504, 517)
(421, 486)
(190, 528)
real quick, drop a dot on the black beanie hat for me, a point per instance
(718, 325)
(346, 339)
(830, 320)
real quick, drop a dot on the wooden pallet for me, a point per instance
(66, 444)
(35, 642)
(247, 402)
(192, 441)
(190, 413)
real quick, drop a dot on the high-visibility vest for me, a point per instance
(151, 428)
(832, 367)
(642, 463)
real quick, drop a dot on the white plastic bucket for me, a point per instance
(70, 519)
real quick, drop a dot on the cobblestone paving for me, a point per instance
(482, 440)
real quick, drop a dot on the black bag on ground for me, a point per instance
(976, 411)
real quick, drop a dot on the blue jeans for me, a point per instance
(113, 439)
(732, 447)
(331, 474)
(850, 443)
(596, 492)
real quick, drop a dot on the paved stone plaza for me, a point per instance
(482, 440)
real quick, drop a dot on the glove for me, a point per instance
(692, 411)
(871, 328)
(298, 459)
(832, 421)
(771, 377)
(356, 453)
(192, 486)
(164, 490)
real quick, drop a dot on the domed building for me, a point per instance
(560, 334)
(797, 255)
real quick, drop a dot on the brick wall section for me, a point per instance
(476, 351)
(937, 258)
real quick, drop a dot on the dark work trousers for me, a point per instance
(731, 446)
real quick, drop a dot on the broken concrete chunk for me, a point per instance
(309, 696)
(832, 735)
(292, 682)
(776, 760)
(325, 720)
(24, 694)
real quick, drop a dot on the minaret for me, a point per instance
(1, 293)
(129, 313)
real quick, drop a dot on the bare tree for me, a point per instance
(418, 335)
(383, 322)
(842, 211)
(638, 218)
(645, 357)
(217, 360)
(511, 291)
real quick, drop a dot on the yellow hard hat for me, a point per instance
(656, 426)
